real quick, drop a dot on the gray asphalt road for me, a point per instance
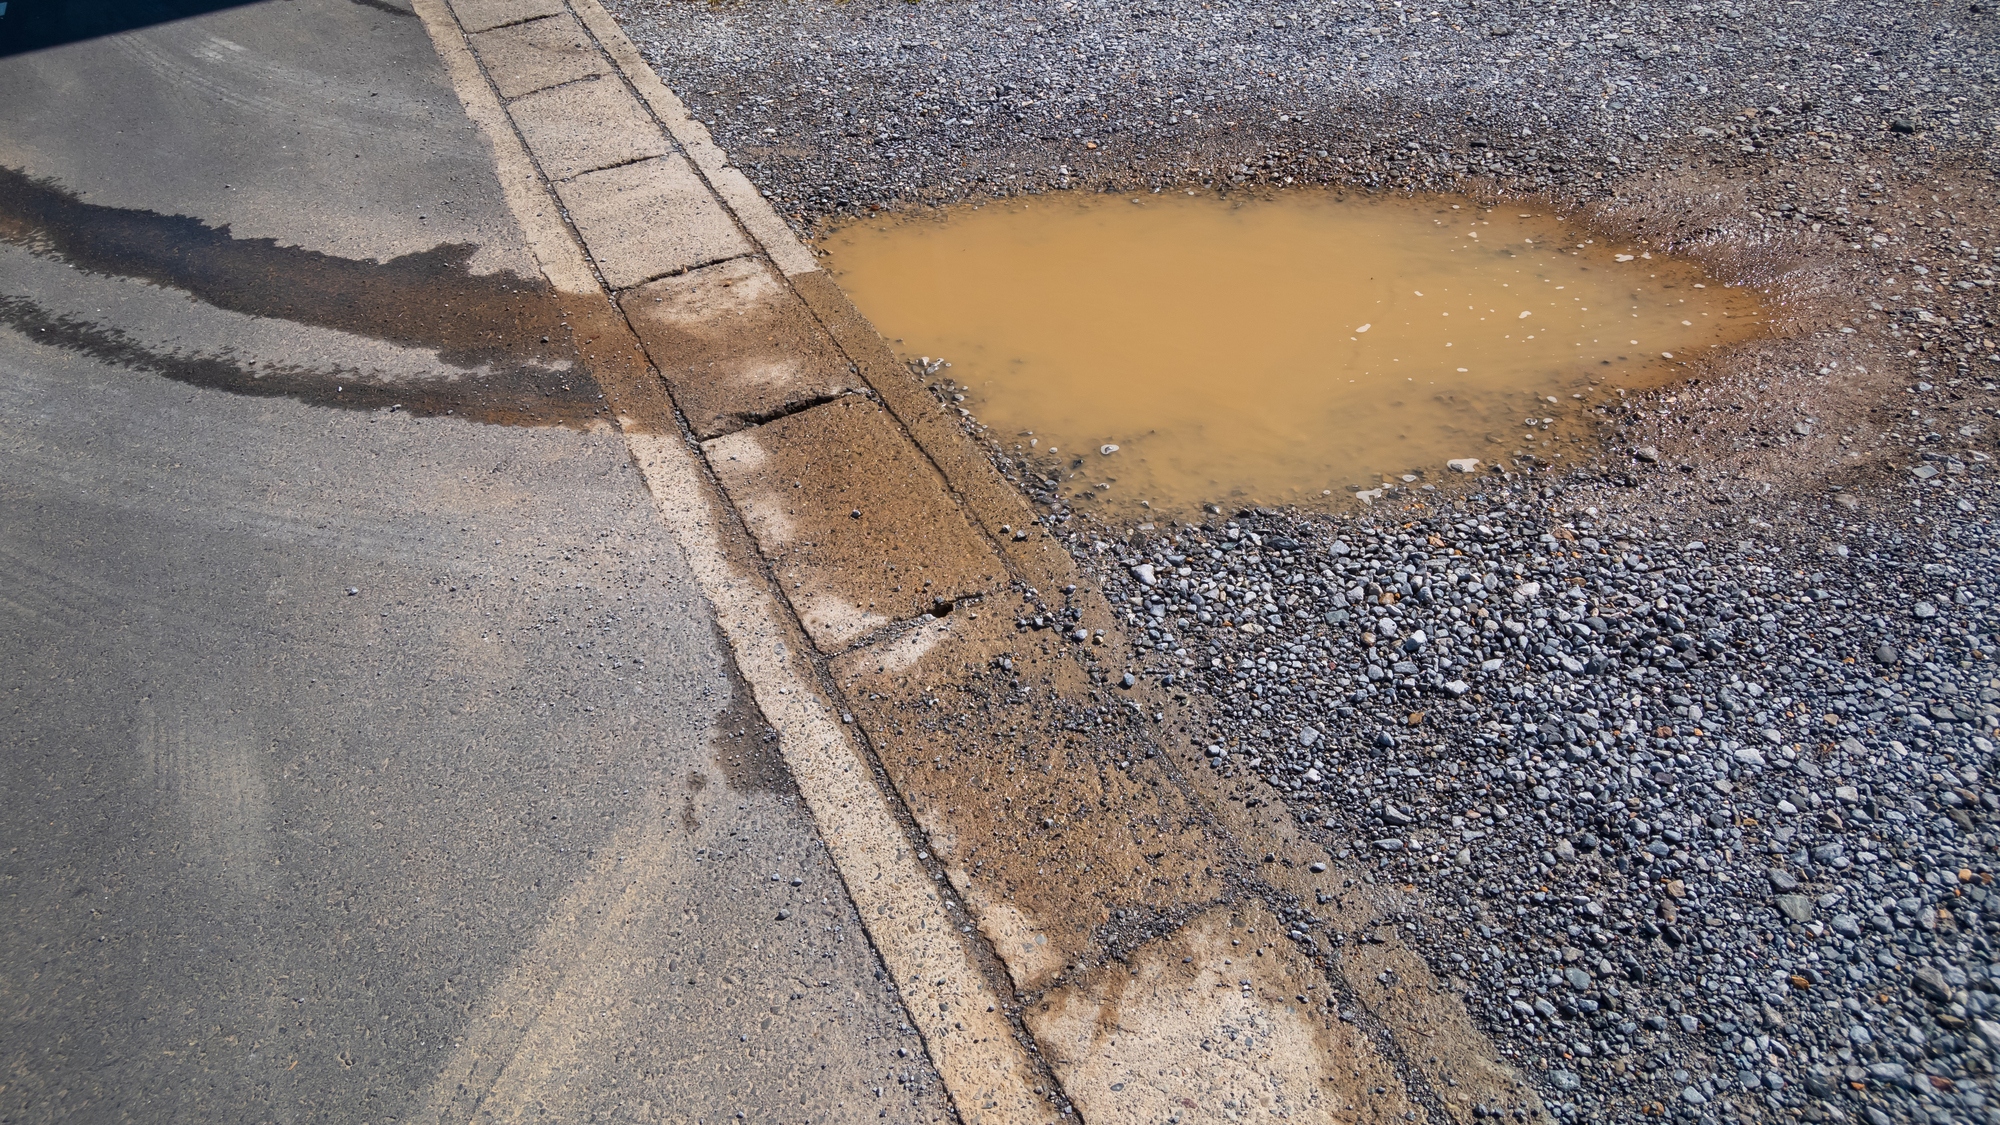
(361, 762)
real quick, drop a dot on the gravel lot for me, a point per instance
(839, 106)
(1692, 746)
(1709, 824)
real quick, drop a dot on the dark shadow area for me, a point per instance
(36, 25)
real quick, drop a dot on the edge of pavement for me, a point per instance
(979, 1051)
(833, 511)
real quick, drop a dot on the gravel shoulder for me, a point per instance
(1690, 749)
(1705, 827)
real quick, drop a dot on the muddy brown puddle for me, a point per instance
(1295, 348)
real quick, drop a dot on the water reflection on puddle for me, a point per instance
(1282, 350)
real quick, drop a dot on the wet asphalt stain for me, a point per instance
(746, 746)
(509, 337)
(507, 404)
(385, 6)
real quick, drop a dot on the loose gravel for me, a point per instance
(1692, 746)
(1712, 823)
(834, 108)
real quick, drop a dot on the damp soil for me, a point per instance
(1295, 347)
(511, 347)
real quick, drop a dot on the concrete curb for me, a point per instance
(647, 196)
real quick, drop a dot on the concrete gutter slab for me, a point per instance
(997, 505)
(537, 55)
(1010, 842)
(650, 219)
(586, 126)
(855, 522)
(484, 15)
(1176, 1031)
(736, 345)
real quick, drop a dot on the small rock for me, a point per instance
(1989, 1031)
(1924, 609)
(1930, 984)
(1107, 450)
(1144, 573)
(1846, 926)
(1390, 845)
(1128, 680)
(1783, 880)
(1463, 464)
(1565, 1080)
(1798, 908)
(1887, 654)
(1648, 454)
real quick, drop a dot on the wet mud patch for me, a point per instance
(514, 351)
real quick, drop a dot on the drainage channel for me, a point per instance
(1299, 347)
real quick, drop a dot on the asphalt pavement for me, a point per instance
(370, 753)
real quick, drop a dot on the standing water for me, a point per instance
(1287, 349)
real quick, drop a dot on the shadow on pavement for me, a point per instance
(37, 25)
